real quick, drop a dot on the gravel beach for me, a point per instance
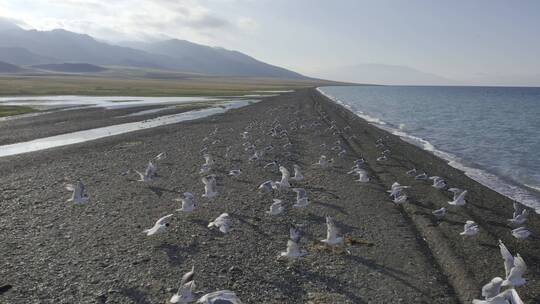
(53, 251)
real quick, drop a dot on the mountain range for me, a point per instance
(31, 47)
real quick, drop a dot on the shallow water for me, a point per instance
(491, 133)
(97, 133)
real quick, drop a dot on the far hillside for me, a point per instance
(71, 67)
(8, 68)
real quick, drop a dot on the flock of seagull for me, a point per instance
(514, 265)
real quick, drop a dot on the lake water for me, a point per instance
(491, 133)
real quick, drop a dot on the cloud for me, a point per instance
(129, 20)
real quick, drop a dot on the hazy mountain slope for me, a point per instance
(30, 47)
(192, 57)
(8, 68)
(71, 67)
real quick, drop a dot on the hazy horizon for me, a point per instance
(467, 43)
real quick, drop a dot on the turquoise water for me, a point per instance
(491, 133)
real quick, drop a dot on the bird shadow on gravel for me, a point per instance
(332, 206)
(335, 285)
(135, 295)
(159, 190)
(173, 251)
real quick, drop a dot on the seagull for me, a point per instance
(331, 233)
(210, 186)
(184, 294)
(188, 203)
(515, 276)
(276, 208)
(301, 198)
(362, 176)
(493, 288)
(297, 174)
(284, 182)
(235, 173)
(396, 188)
(149, 174)
(438, 182)
(267, 186)
(223, 222)
(421, 176)
(220, 297)
(470, 228)
(271, 164)
(411, 172)
(294, 234)
(78, 196)
(323, 162)
(521, 233)
(518, 209)
(520, 218)
(459, 198)
(439, 213)
(382, 158)
(293, 250)
(208, 160)
(160, 226)
(509, 296)
(400, 199)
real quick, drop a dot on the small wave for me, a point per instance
(485, 178)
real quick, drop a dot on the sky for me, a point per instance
(467, 41)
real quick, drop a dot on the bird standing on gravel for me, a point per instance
(298, 176)
(160, 226)
(323, 162)
(284, 182)
(223, 222)
(210, 186)
(149, 173)
(470, 228)
(235, 173)
(188, 202)
(459, 197)
(519, 218)
(331, 233)
(276, 208)
(521, 233)
(267, 186)
(78, 196)
(301, 198)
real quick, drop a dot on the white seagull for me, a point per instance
(188, 202)
(223, 222)
(470, 228)
(459, 198)
(493, 288)
(235, 173)
(301, 198)
(331, 233)
(514, 267)
(220, 297)
(323, 162)
(184, 294)
(521, 233)
(519, 218)
(276, 208)
(293, 250)
(515, 277)
(160, 226)
(411, 172)
(267, 186)
(297, 174)
(439, 213)
(210, 187)
(149, 173)
(284, 182)
(78, 196)
(362, 176)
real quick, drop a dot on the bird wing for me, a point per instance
(512, 296)
(507, 257)
(188, 276)
(164, 219)
(519, 266)
(70, 187)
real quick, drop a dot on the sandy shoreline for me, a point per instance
(55, 252)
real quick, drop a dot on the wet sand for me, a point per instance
(56, 252)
